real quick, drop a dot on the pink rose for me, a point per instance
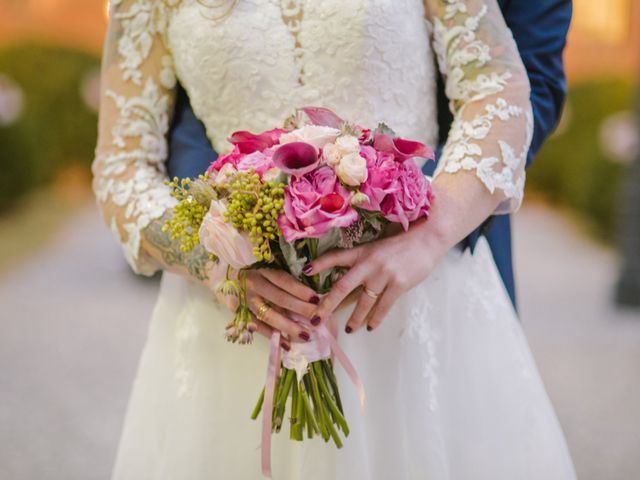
(402, 149)
(248, 142)
(223, 240)
(314, 204)
(399, 190)
(296, 158)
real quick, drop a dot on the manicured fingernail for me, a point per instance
(348, 329)
(315, 321)
(315, 300)
(286, 346)
(369, 328)
(304, 336)
(307, 269)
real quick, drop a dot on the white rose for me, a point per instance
(348, 144)
(316, 135)
(352, 169)
(344, 145)
(332, 154)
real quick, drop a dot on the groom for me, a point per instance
(539, 28)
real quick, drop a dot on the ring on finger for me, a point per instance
(370, 292)
(262, 311)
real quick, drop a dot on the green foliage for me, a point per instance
(572, 169)
(56, 129)
(254, 207)
(190, 210)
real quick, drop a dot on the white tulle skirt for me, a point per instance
(452, 393)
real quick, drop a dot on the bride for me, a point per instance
(452, 389)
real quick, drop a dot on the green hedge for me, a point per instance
(572, 168)
(56, 129)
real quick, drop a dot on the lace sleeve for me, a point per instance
(488, 92)
(137, 95)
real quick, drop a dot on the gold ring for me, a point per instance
(262, 311)
(371, 293)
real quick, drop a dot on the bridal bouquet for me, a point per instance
(278, 200)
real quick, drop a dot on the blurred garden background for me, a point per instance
(73, 320)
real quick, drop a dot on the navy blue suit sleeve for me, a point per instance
(190, 152)
(540, 30)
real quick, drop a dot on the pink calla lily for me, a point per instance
(323, 116)
(402, 149)
(296, 158)
(248, 142)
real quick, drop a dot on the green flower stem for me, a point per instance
(300, 412)
(317, 403)
(312, 426)
(335, 413)
(327, 366)
(334, 433)
(294, 419)
(321, 414)
(313, 254)
(282, 400)
(258, 407)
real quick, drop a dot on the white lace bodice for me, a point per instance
(368, 60)
(246, 73)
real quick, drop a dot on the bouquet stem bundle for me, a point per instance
(315, 406)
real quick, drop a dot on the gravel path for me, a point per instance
(73, 321)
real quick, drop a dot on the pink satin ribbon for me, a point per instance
(320, 334)
(267, 406)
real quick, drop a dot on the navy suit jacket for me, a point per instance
(539, 28)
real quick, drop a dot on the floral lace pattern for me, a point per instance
(370, 61)
(422, 330)
(488, 89)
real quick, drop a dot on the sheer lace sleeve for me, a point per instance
(137, 95)
(488, 92)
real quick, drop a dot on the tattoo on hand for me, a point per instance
(194, 261)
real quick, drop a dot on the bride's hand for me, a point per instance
(281, 293)
(385, 269)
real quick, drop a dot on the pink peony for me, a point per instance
(402, 149)
(248, 142)
(399, 190)
(382, 175)
(412, 200)
(314, 204)
(296, 158)
(260, 162)
(223, 240)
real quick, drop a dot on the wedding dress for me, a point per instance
(452, 389)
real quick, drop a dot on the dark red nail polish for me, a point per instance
(305, 336)
(307, 269)
(315, 300)
(315, 321)
(369, 328)
(286, 346)
(348, 329)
